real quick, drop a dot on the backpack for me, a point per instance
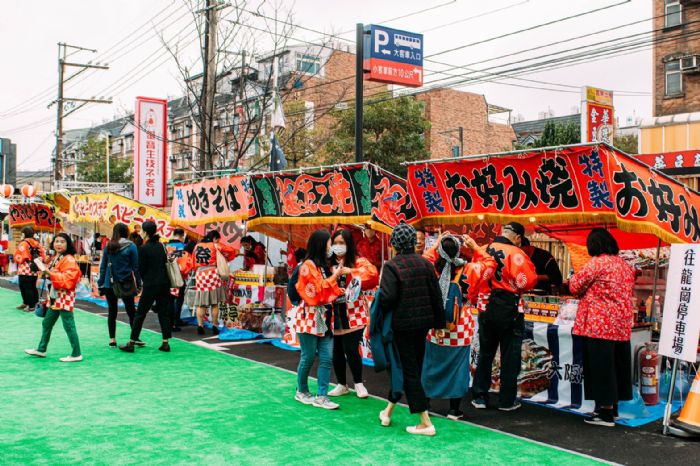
(292, 292)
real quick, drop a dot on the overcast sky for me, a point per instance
(139, 65)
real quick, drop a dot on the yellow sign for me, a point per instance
(599, 96)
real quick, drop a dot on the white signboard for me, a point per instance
(681, 323)
(150, 169)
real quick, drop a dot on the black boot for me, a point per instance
(215, 330)
(128, 348)
(200, 330)
(165, 347)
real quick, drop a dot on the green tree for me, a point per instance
(559, 134)
(627, 143)
(93, 165)
(393, 132)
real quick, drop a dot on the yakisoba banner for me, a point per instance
(225, 199)
(113, 208)
(582, 184)
(39, 216)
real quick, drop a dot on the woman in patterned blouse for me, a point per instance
(604, 319)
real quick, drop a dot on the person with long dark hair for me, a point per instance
(318, 287)
(446, 367)
(64, 273)
(604, 320)
(410, 291)
(120, 264)
(210, 290)
(27, 251)
(350, 317)
(156, 288)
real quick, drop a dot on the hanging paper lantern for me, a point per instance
(6, 190)
(29, 190)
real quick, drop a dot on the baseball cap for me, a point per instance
(516, 228)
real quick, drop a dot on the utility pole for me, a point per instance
(206, 99)
(60, 100)
(359, 90)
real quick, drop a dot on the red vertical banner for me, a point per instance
(601, 120)
(150, 153)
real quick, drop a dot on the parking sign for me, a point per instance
(393, 56)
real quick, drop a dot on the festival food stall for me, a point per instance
(290, 205)
(556, 189)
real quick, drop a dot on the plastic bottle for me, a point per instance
(647, 305)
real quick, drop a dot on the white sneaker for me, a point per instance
(361, 390)
(33, 352)
(384, 418)
(325, 403)
(72, 359)
(416, 430)
(305, 398)
(339, 390)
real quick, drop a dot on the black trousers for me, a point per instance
(163, 304)
(607, 371)
(500, 325)
(346, 348)
(411, 349)
(27, 288)
(113, 306)
(178, 303)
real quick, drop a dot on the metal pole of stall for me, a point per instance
(359, 89)
(669, 400)
(656, 280)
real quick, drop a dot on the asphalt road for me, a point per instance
(644, 445)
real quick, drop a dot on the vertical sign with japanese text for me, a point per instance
(597, 115)
(681, 320)
(393, 56)
(150, 152)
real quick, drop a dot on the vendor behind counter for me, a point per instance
(549, 278)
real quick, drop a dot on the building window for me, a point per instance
(674, 82)
(309, 64)
(672, 13)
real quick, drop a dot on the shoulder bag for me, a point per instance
(173, 269)
(121, 288)
(222, 266)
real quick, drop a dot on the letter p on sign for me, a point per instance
(380, 38)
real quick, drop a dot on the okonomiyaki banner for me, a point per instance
(345, 194)
(39, 216)
(113, 208)
(225, 199)
(578, 184)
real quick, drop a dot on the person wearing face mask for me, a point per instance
(350, 315)
(318, 288)
(500, 323)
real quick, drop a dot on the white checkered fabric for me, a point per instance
(305, 319)
(358, 313)
(65, 300)
(461, 335)
(25, 269)
(207, 279)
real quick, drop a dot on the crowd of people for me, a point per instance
(421, 326)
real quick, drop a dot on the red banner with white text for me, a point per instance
(39, 216)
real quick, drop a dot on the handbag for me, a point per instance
(222, 266)
(122, 288)
(40, 308)
(173, 269)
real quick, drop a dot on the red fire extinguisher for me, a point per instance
(649, 379)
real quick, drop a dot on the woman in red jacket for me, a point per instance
(604, 319)
(350, 317)
(64, 273)
(209, 289)
(27, 250)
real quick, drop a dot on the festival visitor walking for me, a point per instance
(27, 251)
(350, 315)
(156, 288)
(119, 278)
(64, 273)
(318, 287)
(410, 290)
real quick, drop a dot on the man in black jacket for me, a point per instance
(409, 287)
(156, 288)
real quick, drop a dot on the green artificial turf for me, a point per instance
(197, 406)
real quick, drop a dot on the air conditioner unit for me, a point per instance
(690, 64)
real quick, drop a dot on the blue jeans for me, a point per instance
(310, 346)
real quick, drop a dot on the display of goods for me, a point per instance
(535, 369)
(567, 312)
(252, 318)
(251, 278)
(645, 258)
(228, 313)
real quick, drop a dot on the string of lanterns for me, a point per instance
(28, 190)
